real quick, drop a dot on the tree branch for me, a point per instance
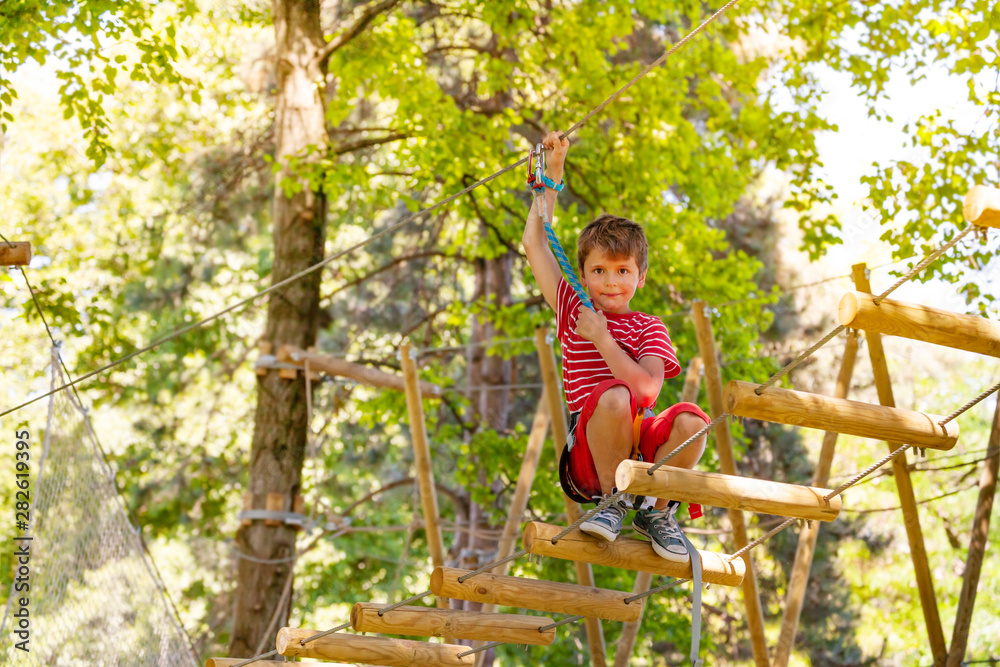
(364, 18)
(368, 143)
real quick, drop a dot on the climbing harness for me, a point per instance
(538, 181)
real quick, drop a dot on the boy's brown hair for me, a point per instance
(619, 237)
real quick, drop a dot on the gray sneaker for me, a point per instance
(606, 524)
(662, 530)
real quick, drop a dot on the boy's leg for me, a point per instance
(660, 436)
(604, 439)
(673, 427)
(609, 434)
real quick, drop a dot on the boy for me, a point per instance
(614, 363)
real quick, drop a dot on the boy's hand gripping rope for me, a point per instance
(537, 181)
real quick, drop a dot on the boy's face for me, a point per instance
(611, 283)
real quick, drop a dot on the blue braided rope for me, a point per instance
(567, 268)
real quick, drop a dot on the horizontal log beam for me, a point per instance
(371, 650)
(230, 662)
(550, 596)
(17, 253)
(826, 413)
(916, 322)
(627, 554)
(730, 491)
(982, 206)
(430, 622)
(366, 375)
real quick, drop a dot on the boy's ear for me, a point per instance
(642, 280)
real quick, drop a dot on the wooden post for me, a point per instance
(644, 580)
(557, 415)
(525, 479)
(982, 206)
(378, 650)
(918, 322)
(422, 458)
(366, 375)
(907, 501)
(628, 554)
(17, 253)
(977, 545)
(550, 596)
(727, 461)
(427, 622)
(808, 535)
(730, 491)
(803, 408)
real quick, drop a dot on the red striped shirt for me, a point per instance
(639, 334)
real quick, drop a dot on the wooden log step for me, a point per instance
(550, 596)
(429, 622)
(229, 662)
(628, 554)
(840, 415)
(371, 650)
(730, 491)
(982, 206)
(916, 322)
(17, 253)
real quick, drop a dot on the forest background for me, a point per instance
(145, 156)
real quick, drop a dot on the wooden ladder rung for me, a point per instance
(730, 491)
(550, 596)
(839, 415)
(916, 322)
(17, 253)
(982, 206)
(371, 650)
(430, 622)
(628, 554)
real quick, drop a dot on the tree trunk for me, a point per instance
(280, 426)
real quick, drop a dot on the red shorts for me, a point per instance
(577, 472)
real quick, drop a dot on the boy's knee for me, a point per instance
(617, 400)
(688, 424)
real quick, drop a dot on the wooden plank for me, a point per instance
(366, 375)
(422, 459)
(977, 546)
(557, 415)
(917, 322)
(551, 596)
(904, 486)
(370, 650)
(428, 622)
(803, 408)
(808, 535)
(231, 662)
(644, 580)
(628, 554)
(729, 491)
(16, 253)
(727, 462)
(982, 206)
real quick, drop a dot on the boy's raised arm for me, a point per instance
(543, 263)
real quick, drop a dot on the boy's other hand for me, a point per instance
(557, 149)
(592, 326)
